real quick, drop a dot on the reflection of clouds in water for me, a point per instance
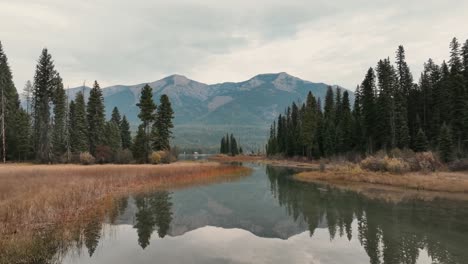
(218, 245)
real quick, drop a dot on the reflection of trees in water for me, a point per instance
(154, 210)
(389, 232)
(92, 234)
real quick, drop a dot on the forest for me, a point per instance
(53, 128)
(390, 111)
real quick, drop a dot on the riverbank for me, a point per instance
(440, 181)
(345, 173)
(38, 200)
(265, 160)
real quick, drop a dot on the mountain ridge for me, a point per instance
(205, 112)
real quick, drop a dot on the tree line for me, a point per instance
(390, 111)
(52, 128)
(229, 146)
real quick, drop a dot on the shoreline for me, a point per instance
(343, 174)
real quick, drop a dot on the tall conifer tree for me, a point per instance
(96, 118)
(147, 116)
(162, 127)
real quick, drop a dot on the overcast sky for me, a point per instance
(129, 42)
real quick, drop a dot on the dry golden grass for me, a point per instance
(37, 197)
(436, 181)
(238, 158)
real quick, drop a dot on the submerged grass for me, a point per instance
(37, 201)
(433, 181)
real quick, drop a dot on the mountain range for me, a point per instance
(204, 113)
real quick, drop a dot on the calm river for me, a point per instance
(269, 218)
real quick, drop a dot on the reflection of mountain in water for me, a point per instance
(247, 204)
(274, 206)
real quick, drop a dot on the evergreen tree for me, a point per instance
(222, 150)
(234, 149)
(162, 126)
(45, 86)
(9, 102)
(78, 124)
(386, 134)
(140, 145)
(445, 143)
(113, 138)
(464, 55)
(227, 147)
(21, 144)
(125, 133)
(345, 139)
(404, 118)
(59, 129)
(369, 109)
(27, 94)
(147, 116)
(421, 143)
(116, 118)
(455, 61)
(96, 118)
(310, 124)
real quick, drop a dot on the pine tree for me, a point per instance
(234, 150)
(96, 118)
(161, 130)
(369, 109)
(21, 126)
(310, 124)
(404, 117)
(27, 95)
(386, 134)
(9, 102)
(116, 118)
(113, 138)
(222, 150)
(147, 116)
(227, 147)
(445, 144)
(345, 140)
(421, 143)
(45, 86)
(140, 145)
(455, 62)
(125, 133)
(78, 124)
(59, 129)
(464, 55)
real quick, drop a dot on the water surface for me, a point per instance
(269, 218)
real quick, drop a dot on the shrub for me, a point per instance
(373, 164)
(103, 154)
(459, 165)
(86, 158)
(396, 153)
(427, 161)
(155, 157)
(123, 156)
(393, 165)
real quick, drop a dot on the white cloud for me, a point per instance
(127, 42)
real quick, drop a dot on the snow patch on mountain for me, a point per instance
(218, 101)
(285, 82)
